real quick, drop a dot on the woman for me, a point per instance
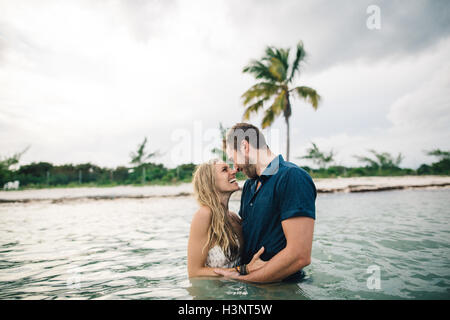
(215, 238)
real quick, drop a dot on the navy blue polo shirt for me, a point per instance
(286, 191)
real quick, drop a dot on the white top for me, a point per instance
(217, 259)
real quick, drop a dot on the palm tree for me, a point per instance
(383, 160)
(221, 153)
(318, 157)
(439, 153)
(138, 158)
(8, 162)
(276, 76)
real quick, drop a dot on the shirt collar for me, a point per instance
(271, 169)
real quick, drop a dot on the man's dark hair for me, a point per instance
(247, 131)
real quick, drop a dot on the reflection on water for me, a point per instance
(136, 249)
(219, 288)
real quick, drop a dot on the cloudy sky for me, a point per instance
(86, 81)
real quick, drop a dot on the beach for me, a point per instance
(347, 185)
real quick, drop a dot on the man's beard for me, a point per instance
(250, 170)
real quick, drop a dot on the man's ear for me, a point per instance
(245, 147)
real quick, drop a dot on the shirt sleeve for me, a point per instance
(297, 195)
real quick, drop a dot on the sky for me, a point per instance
(86, 81)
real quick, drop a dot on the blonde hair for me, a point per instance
(221, 232)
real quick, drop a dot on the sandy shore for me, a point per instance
(358, 184)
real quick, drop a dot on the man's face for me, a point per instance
(241, 161)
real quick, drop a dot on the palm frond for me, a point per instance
(269, 116)
(309, 94)
(259, 70)
(277, 69)
(442, 154)
(253, 108)
(399, 159)
(299, 56)
(260, 90)
(280, 54)
(280, 103)
(274, 110)
(152, 154)
(367, 160)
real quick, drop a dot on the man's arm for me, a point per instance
(296, 255)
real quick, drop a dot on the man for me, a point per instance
(277, 209)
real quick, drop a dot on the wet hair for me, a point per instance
(221, 231)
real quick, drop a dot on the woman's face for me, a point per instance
(225, 178)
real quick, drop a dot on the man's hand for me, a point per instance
(255, 264)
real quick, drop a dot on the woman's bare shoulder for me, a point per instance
(203, 211)
(202, 215)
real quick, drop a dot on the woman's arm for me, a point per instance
(198, 237)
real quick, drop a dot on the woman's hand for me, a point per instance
(256, 262)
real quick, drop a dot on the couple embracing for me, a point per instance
(270, 239)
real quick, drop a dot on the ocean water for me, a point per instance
(378, 245)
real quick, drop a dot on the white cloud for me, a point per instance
(415, 101)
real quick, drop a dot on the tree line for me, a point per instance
(143, 172)
(374, 164)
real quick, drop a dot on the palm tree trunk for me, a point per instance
(143, 175)
(288, 139)
(287, 114)
(224, 149)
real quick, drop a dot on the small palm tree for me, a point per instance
(138, 158)
(439, 153)
(221, 153)
(276, 76)
(8, 162)
(320, 158)
(382, 160)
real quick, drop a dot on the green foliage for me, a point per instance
(424, 169)
(318, 157)
(241, 176)
(45, 174)
(185, 171)
(441, 167)
(346, 172)
(381, 161)
(438, 153)
(138, 157)
(6, 173)
(221, 153)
